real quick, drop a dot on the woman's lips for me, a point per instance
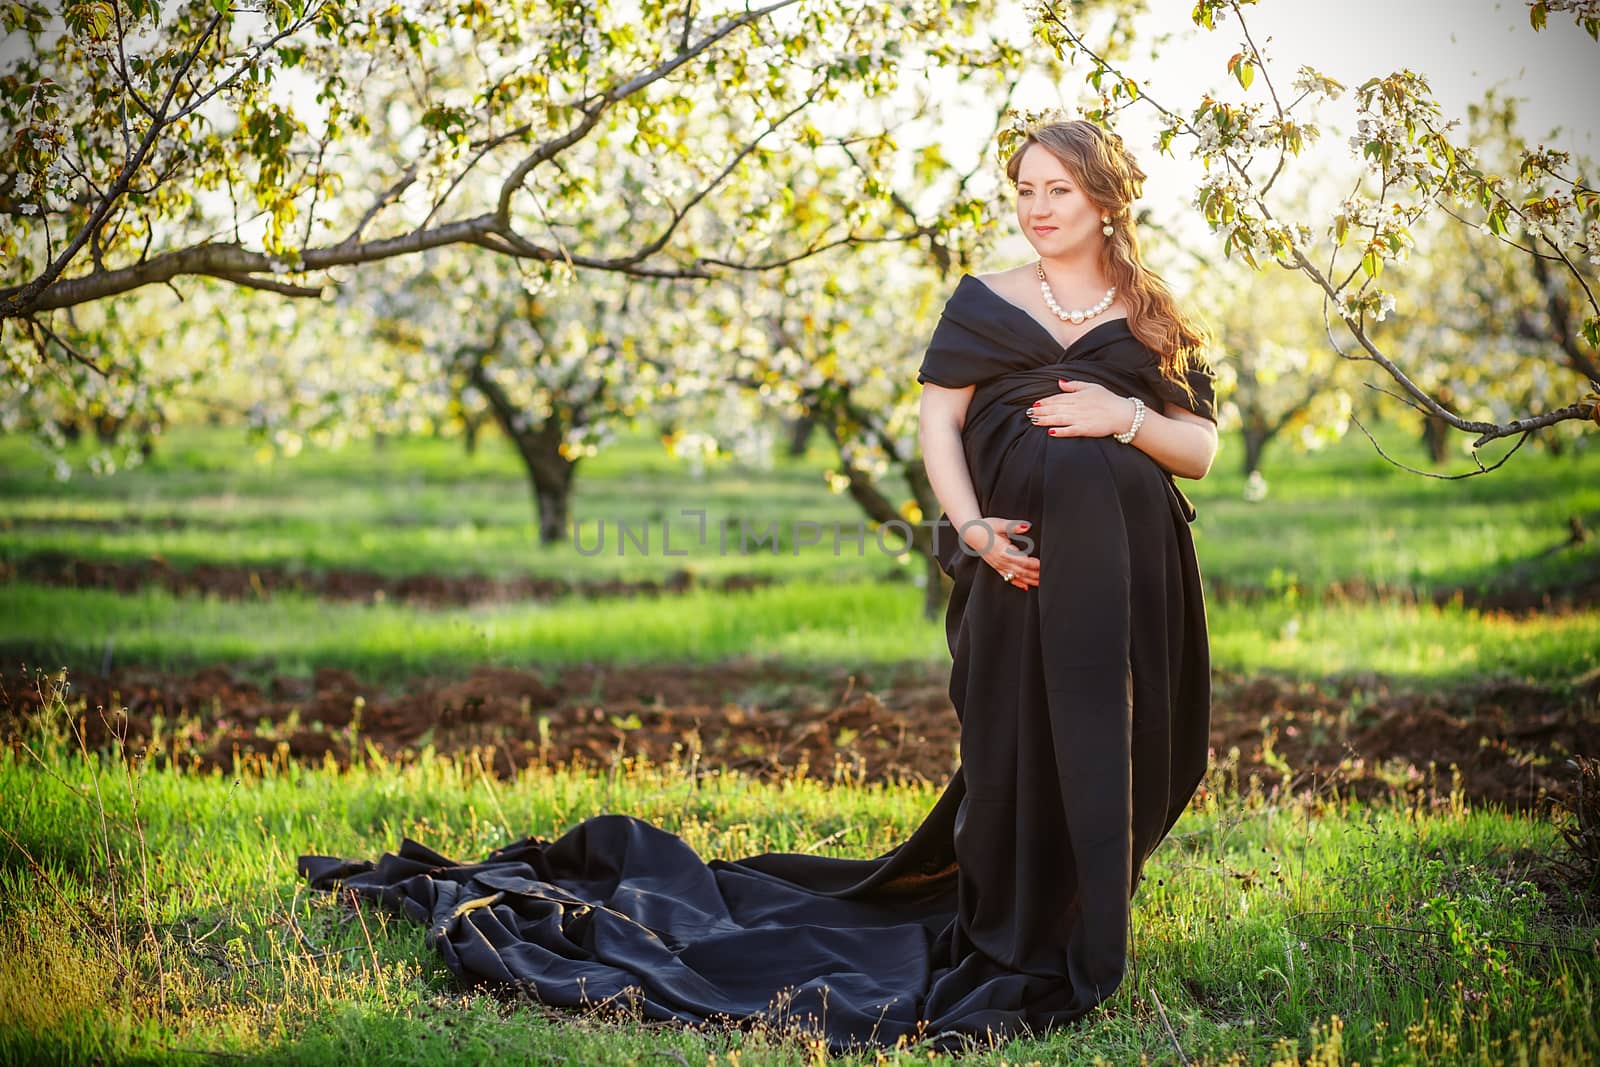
(1044, 229)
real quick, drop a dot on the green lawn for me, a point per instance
(422, 505)
(155, 915)
(797, 623)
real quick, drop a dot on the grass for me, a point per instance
(419, 506)
(153, 913)
(1347, 513)
(423, 506)
(797, 623)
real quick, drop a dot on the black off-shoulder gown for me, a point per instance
(1084, 706)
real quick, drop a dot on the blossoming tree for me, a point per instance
(284, 145)
(1413, 168)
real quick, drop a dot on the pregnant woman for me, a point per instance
(1060, 399)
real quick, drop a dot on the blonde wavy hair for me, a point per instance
(1110, 177)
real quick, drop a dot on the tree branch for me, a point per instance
(270, 285)
(387, 197)
(1487, 431)
(678, 214)
(1443, 477)
(1560, 311)
(595, 107)
(64, 346)
(24, 300)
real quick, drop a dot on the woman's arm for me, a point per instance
(1178, 439)
(942, 415)
(1182, 442)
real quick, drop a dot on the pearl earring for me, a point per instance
(1107, 229)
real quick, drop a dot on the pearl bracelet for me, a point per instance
(1138, 420)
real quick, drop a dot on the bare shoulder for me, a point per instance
(1008, 281)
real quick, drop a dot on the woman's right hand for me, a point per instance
(990, 537)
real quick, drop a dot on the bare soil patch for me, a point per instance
(1508, 741)
(240, 582)
(1506, 595)
(1516, 593)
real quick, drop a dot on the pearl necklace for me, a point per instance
(1074, 317)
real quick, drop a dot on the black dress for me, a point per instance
(1084, 706)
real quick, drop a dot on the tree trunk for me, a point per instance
(1255, 443)
(549, 472)
(800, 431)
(470, 425)
(936, 594)
(550, 501)
(1436, 432)
(877, 507)
(1436, 438)
(549, 477)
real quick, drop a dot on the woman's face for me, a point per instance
(1056, 215)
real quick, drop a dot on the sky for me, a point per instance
(1463, 47)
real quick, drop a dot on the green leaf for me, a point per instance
(1591, 331)
(1246, 73)
(220, 6)
(1537, 14)
(1372, 264)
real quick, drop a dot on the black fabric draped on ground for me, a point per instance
(1084, 710)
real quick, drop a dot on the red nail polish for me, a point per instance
(1036, 403)
(1022, 526)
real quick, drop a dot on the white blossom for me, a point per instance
(1348, 304)
(1556, 217)
(1308, 81)
(1583, 9)
(1361, 211)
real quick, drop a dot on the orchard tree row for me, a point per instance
(331, 218)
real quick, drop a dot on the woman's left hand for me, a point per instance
(1084, 409)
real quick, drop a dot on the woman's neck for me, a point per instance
(1082, 268)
